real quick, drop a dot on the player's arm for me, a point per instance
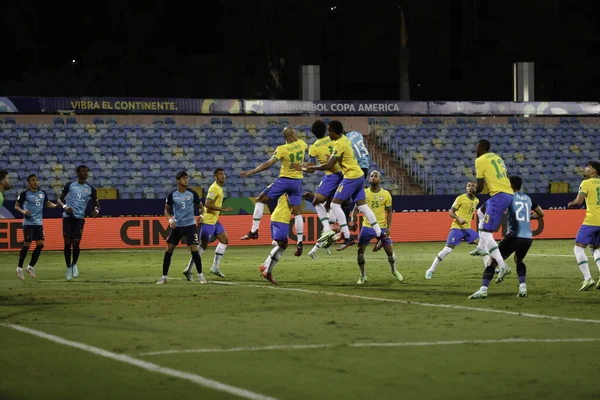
(453, 214)
(19, 205)
(480, 184)
(96, 203)
(210, 205)
(48, 203)
(578, 200)
(168, 211)
(479, 175)
(61, 199)
(198, 203)
(321, 167)
(536, 212)
(260, 168)
(388, 216)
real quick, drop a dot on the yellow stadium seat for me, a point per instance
(106, 193)
(559, 187)
(90, 128)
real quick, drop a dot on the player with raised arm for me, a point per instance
(74, 199)
(211, 228)
(179, 210)
(321, 151)
(31, 204)
(589, 232)
(380, 201)
(351, 188)
(289, 182)
(462, 211)
(490, 170)
(518, 236)
(360, 151)
(4, 185)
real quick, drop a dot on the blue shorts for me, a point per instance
(207, 232)
(293, 187)
(457, 235)
(329, 184)
(366, 234)
(279, 231)
(189, 232)
(494, 210)
(588, 234)
(353, 189)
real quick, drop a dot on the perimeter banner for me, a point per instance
(151, 232)
(166, 106)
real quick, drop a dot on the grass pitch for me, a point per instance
(316, 335)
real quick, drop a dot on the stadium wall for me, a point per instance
(151, 232)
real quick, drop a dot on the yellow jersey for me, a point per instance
(322, 149)
(465, 208)
(215, 193)
(491, 168)
(590, 188)
(283, 211)
(378, 202)
(288, 154)
(342, 149)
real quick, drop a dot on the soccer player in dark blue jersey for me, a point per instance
(31, 204)
(74, 200)
(179, 210)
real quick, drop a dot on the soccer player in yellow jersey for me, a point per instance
(321, 150)
(280, 226)
(351, 187)
(212, 228)
(380, 201)
(490, 170)
(289, 182)
(462, 210)
(589, 233)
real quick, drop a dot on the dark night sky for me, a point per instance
(459, 49)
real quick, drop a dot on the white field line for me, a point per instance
(361, 345)
(416, 303)
(197, 379)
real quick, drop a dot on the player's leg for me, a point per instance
(348, 188)
(495, 208)
(279, 233)
(453, 240)
(521, 249)
(204, 231)
(273, 191)
(27, 233)
(172, 242)
(191, 234)
(389, 250)
(325, 190)
(299, 225)
(39, 246)
(595, 250)
(505, 249)
(67, 245)
(219, 250)
(79, 224)
(360, 257)
(480, 249)
(585, 236)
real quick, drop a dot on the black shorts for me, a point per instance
(33, 233)
(190, 233)
(73, 228)
(517, 245)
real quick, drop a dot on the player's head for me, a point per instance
(516, 182)
(4, 179)
(319, 129)
(374, 178)
(289, 134)
(592, 170)
(82, 172)
(32, 181)
(182, 178)
(220, 176)
(471, 187)
(335, 130)
(482, 147)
